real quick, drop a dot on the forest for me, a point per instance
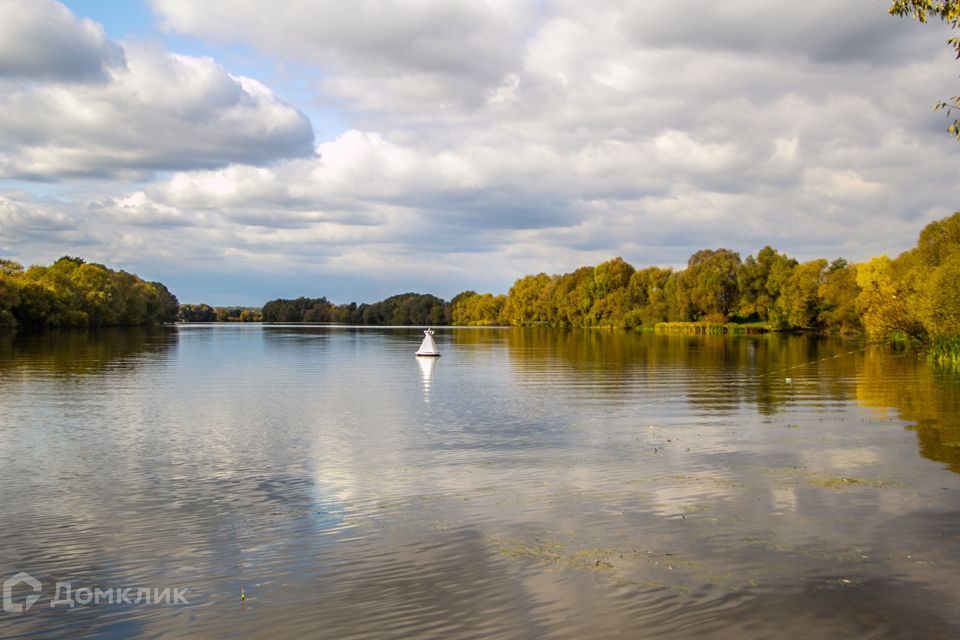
(206, 313)
(913, 296)
(402, 309)
(74, 293)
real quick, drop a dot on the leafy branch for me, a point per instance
(949, 12)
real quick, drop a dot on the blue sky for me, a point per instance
(357, 150)
(134, 20)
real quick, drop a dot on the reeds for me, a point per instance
(712, 328)
(945, 350)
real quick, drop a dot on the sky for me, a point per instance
(240, 151)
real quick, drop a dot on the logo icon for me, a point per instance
(20, 578)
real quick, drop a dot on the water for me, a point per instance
(529, 483)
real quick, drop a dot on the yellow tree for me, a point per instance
(935, 276)
(884, 299)
(838, 298)
(941, 291)
(799, 303)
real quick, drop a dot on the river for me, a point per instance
(529, 483)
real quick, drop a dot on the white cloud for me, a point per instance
(382, 55)
(157, 111)
(822, 30)
(491, 140)
(41, 39)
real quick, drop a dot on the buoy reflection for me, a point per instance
(426, 372)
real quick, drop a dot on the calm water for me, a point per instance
(528, 484)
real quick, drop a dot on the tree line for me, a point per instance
(916, 295)
(402, 309)
(206, 313)
(74, 293)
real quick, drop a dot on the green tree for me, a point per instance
(199, 313)
(610, 276)
(949, 12)
(9, 292)
(709, 283)
(799, 301)
(838, 298)
(611, 295)
(98, 293)
(760, 280)
(648, 297)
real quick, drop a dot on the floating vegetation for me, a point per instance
(689, 480)
(551, 552)
(814, 552)
(837, 482)
(646, 568)
(696, 508)
(816, 479)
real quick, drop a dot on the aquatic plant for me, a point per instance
(945, 350)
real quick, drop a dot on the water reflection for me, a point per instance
(557, 484)
(927, 397)
(728, 369)
(720, 374)
(73, 351)
(426, 373)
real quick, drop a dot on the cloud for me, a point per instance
(382, 55)
(820, 30)
(40, 39)
(157, 111)
(487, 141)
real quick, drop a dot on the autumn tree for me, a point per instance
(760, 280)
(799, 301)
(648, 297)
(9, 292)
(477, 309)
(934, 276)
(709, 283)
(525, 301)
(838, 298)
(883, 301)
(74, 293)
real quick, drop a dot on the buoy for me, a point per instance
(428, 347)
(243, 596)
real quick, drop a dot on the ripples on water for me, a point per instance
(527, 484)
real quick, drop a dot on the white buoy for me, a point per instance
(428, 347)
